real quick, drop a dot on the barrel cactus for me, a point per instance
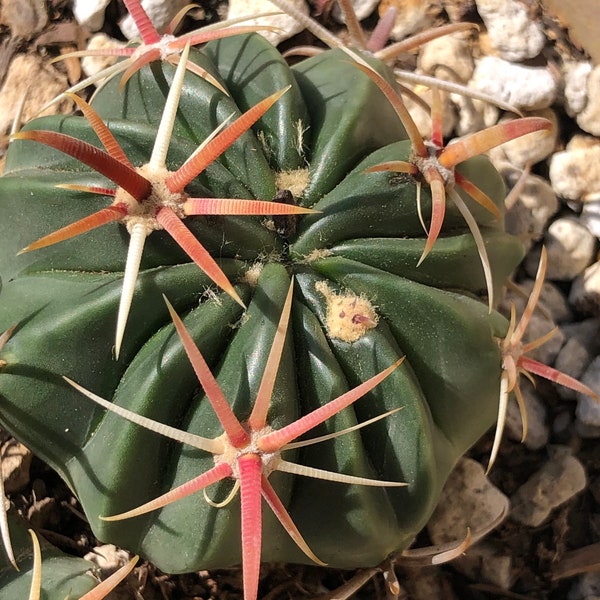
(343, 240)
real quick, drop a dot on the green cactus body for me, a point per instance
(361, 250)
(63, 576)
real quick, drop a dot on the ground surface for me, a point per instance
(542, 562)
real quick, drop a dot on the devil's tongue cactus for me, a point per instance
(359, 304)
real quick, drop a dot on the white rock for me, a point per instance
(480, 504)
(94, 64)
(512, 33)
(558, 480)
(575, 77)
(90, 13)
(108, 558)
(588, 410)
(160, 12)
(590, 217)
(536, 204)
(585, 291)
(589, 118)
(412, 16)
(533, 147)
(575, 172)
(526, 88)
(30, 77)
(570, 249)
(538, 431)
(287, 26)
(422, 118)
(452, 51)
(16, 461)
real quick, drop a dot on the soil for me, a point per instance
(545, 559)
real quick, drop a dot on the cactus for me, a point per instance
(369, 284)
(66, 576)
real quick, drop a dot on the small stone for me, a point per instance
(586, 587)
(487, 562)
(469, 113)
(44, 513)
(480, 504)
(537, 430)
(581, 346)
(526, 88)
(90, 13)
(422, 118)
(590, 217)
(541, 321)
(286, 26)
(424, 583)
(94, 64)
(15, 462)
(362, 8)
(539, 326)
(529, 215)
(108, 558)
(24, 18)
(512, 32)
(457, 10)
(570, 249)
(562, 426)
(451, 51)
(533, 147)
(587, 431)
(575, 173)
(561, 477)
(30, 77)
(412, 16)
(576, 76)
(585, 291)
(588, 409)
(160, 13)
(553, 306)
(589, 118)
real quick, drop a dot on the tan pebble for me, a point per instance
(24, 18)
(30, 76)
(575, 173)
(348, 316)
(559, 479)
